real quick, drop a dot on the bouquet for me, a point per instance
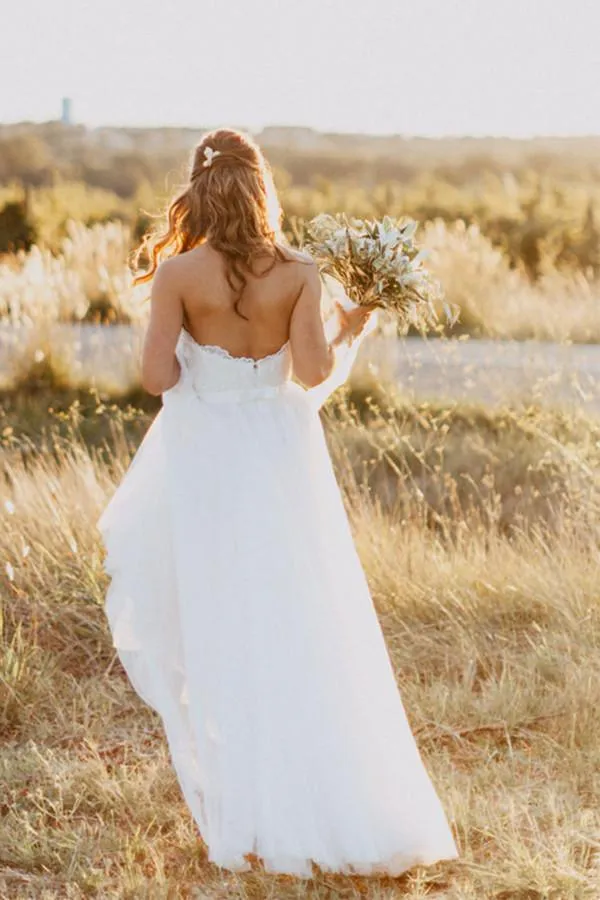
(378, 263)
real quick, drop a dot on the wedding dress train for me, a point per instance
(241, 614)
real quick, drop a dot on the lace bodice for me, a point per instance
(210, 373)
(214, 374)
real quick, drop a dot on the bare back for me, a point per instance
(268, 301)
(284, 304)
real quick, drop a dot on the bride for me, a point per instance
(237, 603)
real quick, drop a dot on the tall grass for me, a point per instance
(88, 282)
(492, 620)
(498, 301)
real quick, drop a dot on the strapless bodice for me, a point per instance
(212, 373)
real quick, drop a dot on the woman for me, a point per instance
(238, 604)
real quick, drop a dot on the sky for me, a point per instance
(427, 67)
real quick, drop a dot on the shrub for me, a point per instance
(17, 232)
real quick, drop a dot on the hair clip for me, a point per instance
(209, 155)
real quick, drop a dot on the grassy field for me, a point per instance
(479, 528)
(479, 532)
(87, 281)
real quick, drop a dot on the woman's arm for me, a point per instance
(313, 355)
(160, 366)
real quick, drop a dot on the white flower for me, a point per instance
(402, 263)
(209, 155)
(9, 506)
(408, 230)
(410, 278)
(324, 227)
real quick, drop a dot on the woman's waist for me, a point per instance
(246, 393)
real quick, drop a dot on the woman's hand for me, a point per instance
(352, 323)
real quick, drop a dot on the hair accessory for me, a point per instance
(209, 155)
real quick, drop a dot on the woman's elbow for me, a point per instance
(313, 376)
(156, 379)
(153, 382)
(313, 382)
(152, 386)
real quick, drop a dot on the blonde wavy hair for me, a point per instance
(231, 203)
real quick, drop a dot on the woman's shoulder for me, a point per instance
(203, 257)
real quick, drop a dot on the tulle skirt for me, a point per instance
(241, 614)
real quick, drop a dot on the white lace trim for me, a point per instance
(216, 350)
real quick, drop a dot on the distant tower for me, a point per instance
(65, 117)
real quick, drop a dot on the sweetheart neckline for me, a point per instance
(225, 354)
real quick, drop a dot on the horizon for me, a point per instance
(442, 68)
(294, 127)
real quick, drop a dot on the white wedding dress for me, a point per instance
(241, 614)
